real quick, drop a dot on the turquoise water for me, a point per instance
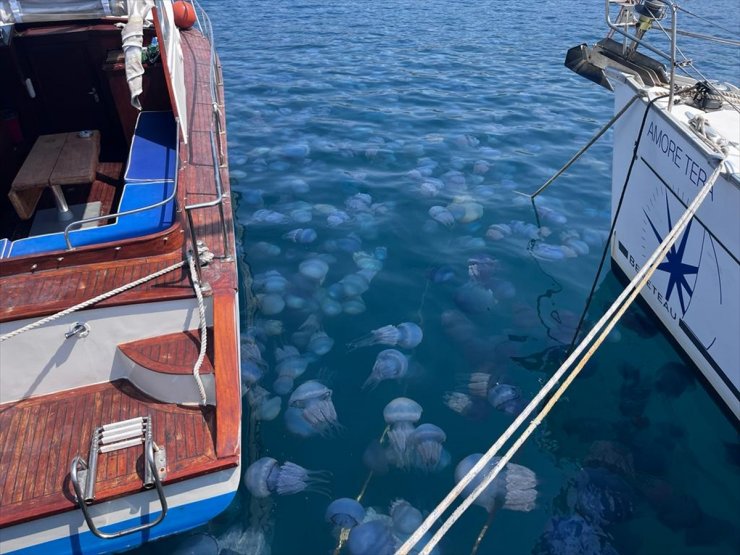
(458, 106)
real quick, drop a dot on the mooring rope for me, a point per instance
(607, 322)
(202, 325)
(90, 302)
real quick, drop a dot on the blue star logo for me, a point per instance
(674, 265)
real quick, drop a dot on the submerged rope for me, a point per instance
(607, 322)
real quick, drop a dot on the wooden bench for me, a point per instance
(54, 161)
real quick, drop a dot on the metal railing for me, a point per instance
(626, 21)
(216, 137)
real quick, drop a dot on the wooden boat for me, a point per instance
(671, 133)
(120, 403)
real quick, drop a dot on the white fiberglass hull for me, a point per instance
(695, 292)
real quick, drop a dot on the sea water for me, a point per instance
(395, 137)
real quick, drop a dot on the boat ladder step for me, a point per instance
(114, 437)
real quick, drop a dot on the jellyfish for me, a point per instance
(301, 235)
(474, 298)
(401, 414)
(261, 249)
(550, 253)
(479, 384)
(572, 535)
(271, 281)
(345, 513)
(265, 476)
(268, 217)
(270, 303)
(263, 405)
(465, 405)
(441, 215)
(371, 538)
(314, 269)
(426, 442)
(405, 517)
(406, 335)
(289, 365)
(320, 343)
(311, 410)
(252, 364)
(310, 326)
(354, 305)
(375, 457)
(506, 398)
(602, 496)
(367, 261)
(465, 211)
(353, 285)
(496, 232)
(389, 365)
(514, 488)
(358, 203)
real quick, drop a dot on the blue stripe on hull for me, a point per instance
(178, 519)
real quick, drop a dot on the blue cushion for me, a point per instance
(4, 246)
(153, 149)
(135, 195)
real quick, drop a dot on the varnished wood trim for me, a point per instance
(162, 242)
(173, 353)
(228, 386)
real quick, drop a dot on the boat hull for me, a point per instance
(694, 293)
(191, 503)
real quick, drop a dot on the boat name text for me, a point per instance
(691, 169)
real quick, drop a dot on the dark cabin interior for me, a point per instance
(77, 75)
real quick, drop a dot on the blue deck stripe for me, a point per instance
(178, 519)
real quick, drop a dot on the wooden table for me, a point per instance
(54, 161)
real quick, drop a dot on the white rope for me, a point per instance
(618, 307)
(90, 302)
(203, 329)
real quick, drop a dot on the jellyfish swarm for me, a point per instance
(514, 488)
(406, 335)
(265, 476)
(311, 411)
(400, 415)
(389, 365)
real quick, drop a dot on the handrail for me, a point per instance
(151, 467)
(620, 27)
(79, 223)
(217, 152)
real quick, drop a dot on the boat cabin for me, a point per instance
(81, 166)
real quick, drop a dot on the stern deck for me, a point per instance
(39, 437)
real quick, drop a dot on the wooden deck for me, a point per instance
(39, 437)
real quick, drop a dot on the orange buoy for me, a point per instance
(184, 14)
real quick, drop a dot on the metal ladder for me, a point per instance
(113, 437)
